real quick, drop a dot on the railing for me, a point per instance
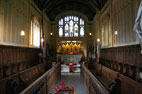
(93, 85)
(44, 83)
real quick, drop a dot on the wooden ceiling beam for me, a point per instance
(88, 7)
(96, 3)
(72, 1)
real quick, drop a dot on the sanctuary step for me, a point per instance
(65, 68)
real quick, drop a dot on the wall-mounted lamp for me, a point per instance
(22, 33)
(90, 34)
(116, 32)
(42, 40)
(51, 34)
(98, 40)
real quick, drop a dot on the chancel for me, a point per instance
(70, 46)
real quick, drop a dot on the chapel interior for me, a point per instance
(70, 46)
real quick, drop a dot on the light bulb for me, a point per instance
(98, 40)
(42, 40)
(22, 33)
(51, 33)
(90, 34)
(116, 32)
(68, 41)
(74, 41)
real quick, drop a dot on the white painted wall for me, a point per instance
(16, 15)
(121, 14)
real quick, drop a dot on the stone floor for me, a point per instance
(72, 80)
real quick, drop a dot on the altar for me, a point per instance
(71, 58)
(66, 68)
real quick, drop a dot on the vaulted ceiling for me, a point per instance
(54, 7)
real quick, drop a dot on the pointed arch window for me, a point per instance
(60, 32)
(66, 30)
(35, 33)
(71, 26)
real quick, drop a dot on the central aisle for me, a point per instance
(72, 80)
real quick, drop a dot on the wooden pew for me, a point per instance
(129, 86)
(93, 84)
(43, 83)
(23, 78)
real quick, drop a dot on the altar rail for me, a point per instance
(44, 83)
(93, 85)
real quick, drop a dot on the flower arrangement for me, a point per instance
(63, 89)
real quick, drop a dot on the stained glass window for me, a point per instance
(76, 30)
(66, 30)
(71, 26)
(81, 31)
(60, 32)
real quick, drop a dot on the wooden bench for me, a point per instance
(31, 75)
(23, 78)
(129, 86)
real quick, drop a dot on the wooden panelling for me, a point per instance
(127, 54)
(14, 59)
(125, 60)
(44, 83)
(93, 84)
(129, 86)
(23, 78)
